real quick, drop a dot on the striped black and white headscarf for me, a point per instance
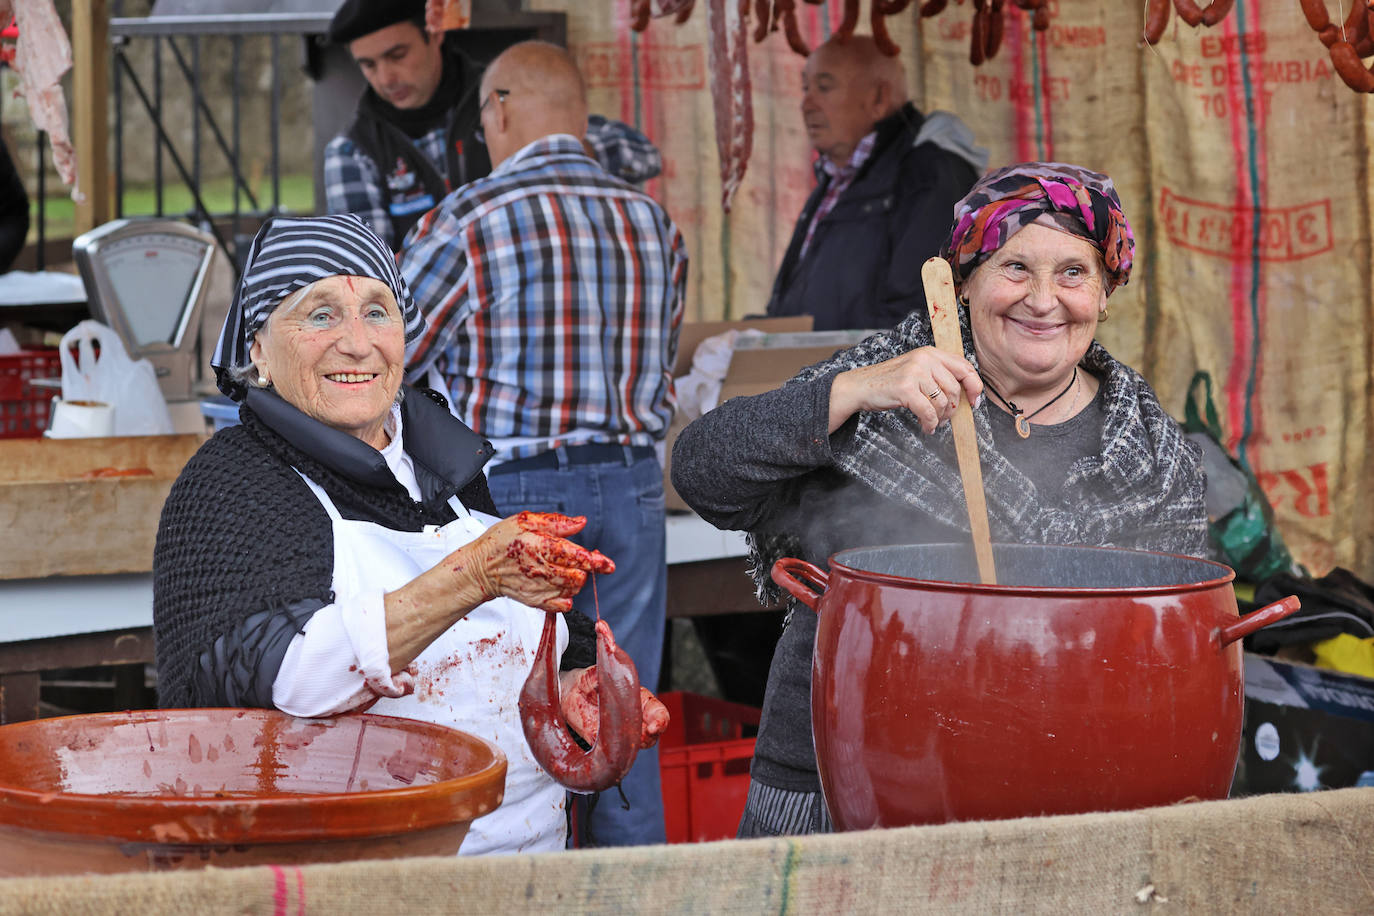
(288, 254)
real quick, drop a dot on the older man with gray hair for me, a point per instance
(887, 180)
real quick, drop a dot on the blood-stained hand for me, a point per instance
(579, 699)
(527, 557)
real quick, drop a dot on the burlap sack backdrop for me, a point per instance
(1240, 158)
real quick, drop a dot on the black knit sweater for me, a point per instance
(244, 545)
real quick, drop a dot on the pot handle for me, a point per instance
(785, 573)
(1257, 620)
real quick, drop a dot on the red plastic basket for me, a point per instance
(703, 761)
(24, 407)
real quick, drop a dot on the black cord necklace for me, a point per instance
(1022, 418)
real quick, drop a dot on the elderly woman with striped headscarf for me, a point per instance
(337, 550)
(855, 451)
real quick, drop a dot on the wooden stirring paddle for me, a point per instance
(944, 322)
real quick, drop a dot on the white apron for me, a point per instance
(470, 676)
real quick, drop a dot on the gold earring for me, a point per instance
(1102, 315)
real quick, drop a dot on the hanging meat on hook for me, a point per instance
(727, 26)
(731, 92)
(1157, 15)
(41, 56)
(795, 41)
(878, 14)
(848, 23)
(639, 14)
(1347, 43)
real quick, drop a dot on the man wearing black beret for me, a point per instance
(416, 135)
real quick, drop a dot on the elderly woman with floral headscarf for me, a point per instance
(338, 549)
(854, 451)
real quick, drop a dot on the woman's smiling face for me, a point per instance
(337, 353)
(1034, 307)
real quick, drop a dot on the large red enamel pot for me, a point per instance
(1088, 679)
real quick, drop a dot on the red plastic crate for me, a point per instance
(703, 761)
(24, 407)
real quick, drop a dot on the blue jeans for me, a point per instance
(623, 503)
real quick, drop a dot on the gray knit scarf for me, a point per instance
(1144, 490)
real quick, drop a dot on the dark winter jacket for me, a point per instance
(862, 269)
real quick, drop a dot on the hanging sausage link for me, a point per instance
(618, 717)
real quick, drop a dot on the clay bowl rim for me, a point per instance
(1226, 574)
(285, 818)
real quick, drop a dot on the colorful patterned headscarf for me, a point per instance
(290, 253)
(1003, 202)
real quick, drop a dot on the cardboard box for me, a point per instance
(760, 363)
(1305, 728)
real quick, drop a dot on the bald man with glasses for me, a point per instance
(554, 294)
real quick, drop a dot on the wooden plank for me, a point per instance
(20, 663)
(84, 650)
(53, 522)
(90, 111)
(711, 587)
(18, 697)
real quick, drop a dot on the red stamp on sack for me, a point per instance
(1302, 491)
(609, 64)
(1271, 234)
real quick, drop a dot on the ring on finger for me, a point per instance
(932, 395)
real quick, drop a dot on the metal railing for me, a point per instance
(183, 37)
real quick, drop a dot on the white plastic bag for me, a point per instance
(128, 386)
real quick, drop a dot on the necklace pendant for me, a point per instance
(1022, 425)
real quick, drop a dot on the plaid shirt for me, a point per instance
(841, 177)
(554, 293)
(353, 184)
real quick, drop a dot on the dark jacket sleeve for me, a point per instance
(735, 464)
(14, 211)
(918, 227)
(242, 665)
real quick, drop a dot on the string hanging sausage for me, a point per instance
(1156, 20)
(791, 29)
(1351, 69)
(978, 42)
(992, 34)
(618, 715)
(1216, 11)
(851, 19)
(764, 15)
(1189, 12)
(878, 25)
(1315, 13)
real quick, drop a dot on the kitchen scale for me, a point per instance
(146, 278)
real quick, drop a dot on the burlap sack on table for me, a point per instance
(1276, 854)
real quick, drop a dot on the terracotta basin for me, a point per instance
(187, 788)
(1088, 679)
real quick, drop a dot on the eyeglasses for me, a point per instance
(479, 134)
